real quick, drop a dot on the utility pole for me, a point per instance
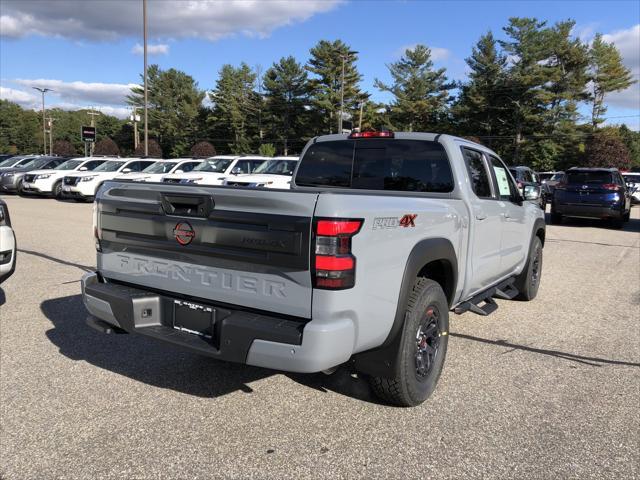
(44, 126)
(51, 120)
(360, 120)
(135, 120)
(146, 119)
(92, 114)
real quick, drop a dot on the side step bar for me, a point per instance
(483, 303)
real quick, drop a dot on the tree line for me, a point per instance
(521, 98)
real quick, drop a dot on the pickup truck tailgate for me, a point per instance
(214, 243)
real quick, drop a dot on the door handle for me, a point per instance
(506, 215)
(480, 216)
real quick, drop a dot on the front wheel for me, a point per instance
(57, 190)
(422, 348)
(528, 281)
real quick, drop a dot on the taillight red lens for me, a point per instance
(334, 265)
(324, 262)
(332, 228)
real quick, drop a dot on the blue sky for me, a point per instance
(84, 50)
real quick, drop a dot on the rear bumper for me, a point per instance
(264, 340)
(589, 211)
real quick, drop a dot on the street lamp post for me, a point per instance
(146, 124)
(44, 125)
(344, 57)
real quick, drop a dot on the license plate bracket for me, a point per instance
(194, 318)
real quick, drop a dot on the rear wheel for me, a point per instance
(422, 348)
(556, 218)
(528, 281)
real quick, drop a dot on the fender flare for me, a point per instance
(381, 361)
(538, 224)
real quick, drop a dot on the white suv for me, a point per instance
(49, 182)
(273, 173)
(84, 186)
(214, 170)
(157, 171)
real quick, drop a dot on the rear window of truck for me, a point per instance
(377, 164)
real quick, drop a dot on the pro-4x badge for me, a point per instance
(407, 220)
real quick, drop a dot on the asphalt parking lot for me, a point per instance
(546, 389)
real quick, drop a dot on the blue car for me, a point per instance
(592, 193)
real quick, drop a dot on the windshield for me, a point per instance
(160, 167)
(631, 178)
(69, 165)
(218, 165)
(276, 167)
(588, 177)
(29, 163)
(9, 162)
(110, 166)
(557, 176)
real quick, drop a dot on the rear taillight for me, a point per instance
(610, 186)
(334, 266)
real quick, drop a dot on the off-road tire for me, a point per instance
(407, 388)
(528, 281)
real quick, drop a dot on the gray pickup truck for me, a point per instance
(379, 238)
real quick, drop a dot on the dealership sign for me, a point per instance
(88, 134)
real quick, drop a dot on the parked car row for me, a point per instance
(81, 178)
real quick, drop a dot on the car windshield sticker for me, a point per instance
(503, 181)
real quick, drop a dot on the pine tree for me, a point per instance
(174, 102)
(286, 93)
(480, 105)
(421, 94)
(524, 97)
(608, 74)
(235, 107)
(326, 64)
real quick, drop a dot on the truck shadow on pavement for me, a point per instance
(592, 361)
(143, 359)
(85, 268)
(163, 365)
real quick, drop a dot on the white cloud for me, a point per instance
(108, 20)
(84, 92)
(22, 98)
(628, 43)
(157, 49)
(437, 53)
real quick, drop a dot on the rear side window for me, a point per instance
(586, 177)
(478, 174)
(375, 164)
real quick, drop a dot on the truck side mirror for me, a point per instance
(236, 171)
(83, 169)
(531, 192)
